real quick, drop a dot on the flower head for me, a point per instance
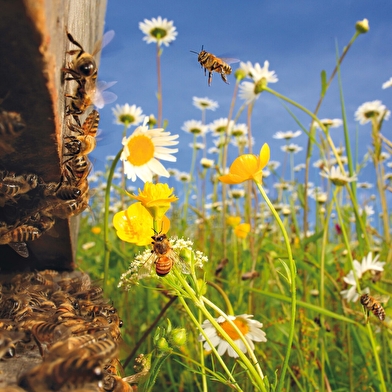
(387, 84)
(127, 115)
(158, 30)
(286, 135)
(329, 122)
(195, 127)
(373, 109)
(362, 26)
(250, 330)
(135, 225)
(242, 230)
(205, 103)
(247, 167)
(156, 198)
(336, 176)
(291, 148)
(220, 125)
(143, 150)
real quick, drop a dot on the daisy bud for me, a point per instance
(362, 26)
(178, 337)
(240, 74)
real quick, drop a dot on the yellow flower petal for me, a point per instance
(135, 225)
(233, 220)
(247, 167)
(242, 230)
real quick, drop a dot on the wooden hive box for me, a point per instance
(33, 45)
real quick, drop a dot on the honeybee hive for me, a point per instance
(33, 45)
(33, 52)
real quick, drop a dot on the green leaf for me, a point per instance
(323, 83)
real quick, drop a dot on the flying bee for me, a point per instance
(163, 256)
(373, 305)
(212, 63)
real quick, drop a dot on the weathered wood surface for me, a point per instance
(33, 47)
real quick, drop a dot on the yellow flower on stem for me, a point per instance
(247, 167)
(242, 230)
(233, 221)
(135, 225)
(156, 198)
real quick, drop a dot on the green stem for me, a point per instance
(106, 221)
(293, 288)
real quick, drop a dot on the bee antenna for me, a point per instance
(202, 47)
(192, 51)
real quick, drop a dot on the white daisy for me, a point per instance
(239, 130)
(250, 330)
(299, 167)
(286, 135)
(183, 176)
(250, 91)
(372, 109)
(206, 163)
(365, 185)
(158, 30)
(205, 103)
(143, 150)
(243, 142)
(336, 176)
(387, 84)
(237, 193)
(291, 148)
(197, 146)
(219, 126)
(195, 127)
(370, 264)
(330, 123)
(128, 115)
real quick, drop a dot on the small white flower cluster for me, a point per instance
(368, 264)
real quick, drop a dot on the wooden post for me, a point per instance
(33, 45)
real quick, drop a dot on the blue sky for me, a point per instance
(298, 38)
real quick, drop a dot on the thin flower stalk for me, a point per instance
(199, 302)
(312, 128)
(369, 329)
(293, 287)
(159, 93)
(106, 221)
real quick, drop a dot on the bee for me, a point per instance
(11, 126)
(373, 305)
(7, 342)
(83, 69)
(47, 333)
(72, 371)
(113, 383)
(77, 167)
(19, 234)
(212, 63)
(250, 275)
(163, 257)
(80, 145)
(12, 185)
(89, 127)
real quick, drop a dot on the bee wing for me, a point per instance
(20, 248)
(148, 267)
(101, 97)
(230, 60)
(99, 45)
(179, 263)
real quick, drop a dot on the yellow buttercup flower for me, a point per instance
(96, 230)
(247, 167)
(233, 221)
(156, 198)
(135, 225)
(242, 230)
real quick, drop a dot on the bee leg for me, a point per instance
(209, 78)
(224, 78)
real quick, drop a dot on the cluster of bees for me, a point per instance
(65, 317)
(29, 204)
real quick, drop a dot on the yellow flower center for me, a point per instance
(240, 324)
(141, 150)
(158, 33)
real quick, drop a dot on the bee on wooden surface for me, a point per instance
(11, 126)
(12, 185)
(19, 234)
(77, 167)
(89, 126)
(61, 190)
(163, 257)
(373, 305)
(8, 339)
(76, 370)
(212, 63)
(45, 332)
(84, 71)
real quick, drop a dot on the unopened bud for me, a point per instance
(362, 26)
